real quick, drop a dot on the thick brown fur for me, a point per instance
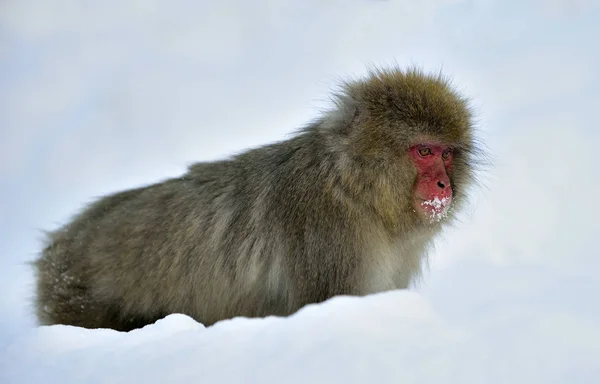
(327, 212)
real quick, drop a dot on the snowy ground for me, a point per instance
(387, 338)
(97, 97)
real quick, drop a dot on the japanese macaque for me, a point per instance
(347, 206)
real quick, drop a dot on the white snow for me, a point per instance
(389, 337)
(439, 208)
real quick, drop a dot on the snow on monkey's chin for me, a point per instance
(435, 209)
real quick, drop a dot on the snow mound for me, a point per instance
(384, 338)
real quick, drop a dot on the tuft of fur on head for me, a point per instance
(408, 103)
(377, 118)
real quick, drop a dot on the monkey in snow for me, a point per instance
(347, 206)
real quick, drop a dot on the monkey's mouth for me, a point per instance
(434, 209)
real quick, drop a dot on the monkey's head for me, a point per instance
(405, 140)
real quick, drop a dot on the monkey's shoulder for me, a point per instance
(210, 170)
(249, 164)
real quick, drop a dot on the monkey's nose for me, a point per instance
(443, 186)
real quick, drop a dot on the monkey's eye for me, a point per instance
(446, 154)
(424, 151)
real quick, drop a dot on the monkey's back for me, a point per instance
(201, 244)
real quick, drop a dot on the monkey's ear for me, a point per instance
(355, 113)
(347, 117)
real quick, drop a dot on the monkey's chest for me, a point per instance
(391, 265)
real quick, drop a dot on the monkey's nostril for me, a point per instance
(441, 185)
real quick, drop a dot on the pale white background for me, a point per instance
(100, 96)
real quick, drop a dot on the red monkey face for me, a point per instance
(433, 192)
